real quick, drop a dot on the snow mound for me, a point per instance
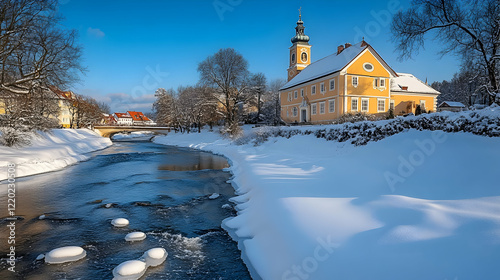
(120, 222)
(65, 254)
(155, 256)
(129, 270)
(227, 206)
(42, 217)
(135, 236)
(40, 257)
(214, 196)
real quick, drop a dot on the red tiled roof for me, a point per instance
(63, 94)
(123, 115)
(138, 116)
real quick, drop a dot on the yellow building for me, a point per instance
(354, 79)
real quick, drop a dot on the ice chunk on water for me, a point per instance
(135, 236)
(129, 270)
(227, 206)
(40, 257)
(65, 254)
(120, 222)
(214, 196)
(155, 256)
(42, 217)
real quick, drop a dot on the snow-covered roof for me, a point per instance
(327, 65)
(452, 104)
(409, 83)
(123, 115)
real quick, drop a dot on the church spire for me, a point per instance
(300, 37)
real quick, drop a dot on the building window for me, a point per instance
(313, 89)
(322, 107)
(364, 105)
(302, 92)
(322, 87)
(355, 81)
(381, 105)
(375, 82)
(354, 104)
(295, 95)
(382, 82)
(287, 113)
(289, 96)
(422, 104)
(332, 84)
(295, 111)
(391, 105)
(331, 106)
(314, 109)
(368, 67)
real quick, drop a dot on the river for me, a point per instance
(162, 190)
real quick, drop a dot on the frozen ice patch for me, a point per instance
(214, 196)
(135, 236)
(120, 222)
(129, 270)
(65, 254)
(155, 256)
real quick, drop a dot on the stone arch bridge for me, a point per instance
(110, 130)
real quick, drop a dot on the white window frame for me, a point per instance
(332, 81)
(378, 105)
(313, 90)
(322, 88)
(352, 103)
(382, 82)
(331, 109)
(322, 109)
(295, 111)
(302, 92)
(422, 104)
(295, 95)
(375, 83)
(355, 78)
(392, 104)
(367, 104)
(314, 109)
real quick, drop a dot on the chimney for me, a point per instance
(340, 49)
(347, 45)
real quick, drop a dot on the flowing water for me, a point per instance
(163, 191)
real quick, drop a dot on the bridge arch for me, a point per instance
(108, 131)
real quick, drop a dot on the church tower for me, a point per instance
(300, 51)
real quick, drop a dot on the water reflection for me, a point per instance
(202, 161)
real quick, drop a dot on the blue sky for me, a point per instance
(131, 48)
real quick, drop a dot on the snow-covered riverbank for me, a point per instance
(52, 151)
(415, 205)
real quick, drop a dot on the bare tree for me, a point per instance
(272, 104)
(468, 28)
(256, 91)
(227, 71)
(34, 50)
(165, 107)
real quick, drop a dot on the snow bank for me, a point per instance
(65, 254)
(415, 205)
(52, 151)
